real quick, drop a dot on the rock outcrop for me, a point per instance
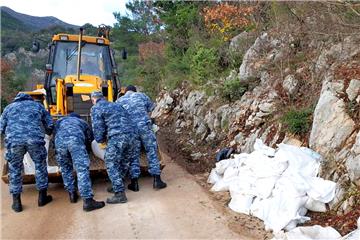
(335, 126)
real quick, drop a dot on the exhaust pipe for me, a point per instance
(79, 54)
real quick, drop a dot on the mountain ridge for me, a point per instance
(34, 22)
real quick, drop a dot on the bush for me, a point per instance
(234, 88)
(298, 121)
(203, 63)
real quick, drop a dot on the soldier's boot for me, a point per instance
(90, 204)
(16, 206)
(134, 185)
(73, 196)
(44, 198)
(158, 183)
(110, 189)
(119, 197)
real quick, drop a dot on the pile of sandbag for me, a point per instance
(317, 233)
(275, 185)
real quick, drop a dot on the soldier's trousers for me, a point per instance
(147, 139)
(70, 154)
(15, 156)
(119, 149)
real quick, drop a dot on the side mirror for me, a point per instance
(124, 54)
(35, 46)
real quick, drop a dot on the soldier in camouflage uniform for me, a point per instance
(139, 106)
(73, 138)
(24, 123)
(111, 124)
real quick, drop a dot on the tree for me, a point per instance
(226, 18)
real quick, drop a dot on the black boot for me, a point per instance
(119, 197)
(73, 197)
(16, 206)
(90, 204)
(44, 198)
(110, 189)
(134, 185)
(158, 183)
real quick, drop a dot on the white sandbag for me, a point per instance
(223, 184)
(223, 165)
(321, 190)
(230, 172)
(354, 235)
(300, 218)
(291, 185)
(309, 233)
(315, 206)
(98, 152)
(299, 161)
(264, 186)
(213, 177)
(241, 203)
(311, 153)
(29, 166)
(260, 165)
(243, 184)
(261, 147)
(274, 186)
(277, 212)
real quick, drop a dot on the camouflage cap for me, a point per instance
(97, 94)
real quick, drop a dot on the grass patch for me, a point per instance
(298, 122)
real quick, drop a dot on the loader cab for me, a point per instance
(65, 91)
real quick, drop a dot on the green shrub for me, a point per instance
(203, 63)
(233, 89)
(298, 121)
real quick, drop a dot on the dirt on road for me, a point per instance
(181, 211)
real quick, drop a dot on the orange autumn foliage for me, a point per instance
(146, 50)
(7, 75)
(225, 18)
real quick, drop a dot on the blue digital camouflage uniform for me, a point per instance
(111, 123)
(138, 106)
(73, 138)
(24, 123)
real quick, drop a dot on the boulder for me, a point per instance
(353, 90)
(331, 124)
(163, 106)
(291, 84)
(248, 67)
(353, 168)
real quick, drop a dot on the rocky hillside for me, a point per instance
(314, 101)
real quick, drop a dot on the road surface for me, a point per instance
(181, 211)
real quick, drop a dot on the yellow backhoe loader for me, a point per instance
(77, 65)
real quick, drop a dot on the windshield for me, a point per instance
(95, 60)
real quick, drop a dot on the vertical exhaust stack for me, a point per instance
(79, 54)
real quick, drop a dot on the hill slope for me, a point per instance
(11, 18)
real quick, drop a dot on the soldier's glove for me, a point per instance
(102, 145)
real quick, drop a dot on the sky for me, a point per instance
(77, 12)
